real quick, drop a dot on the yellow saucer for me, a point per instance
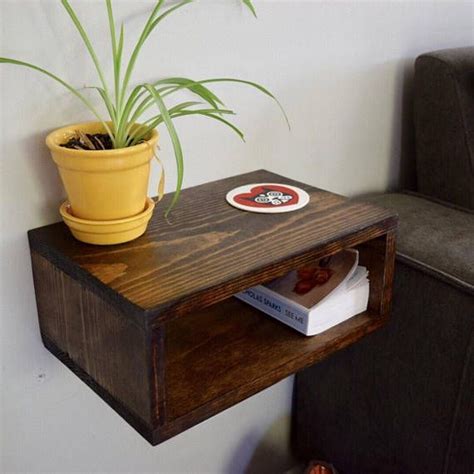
(107, 232)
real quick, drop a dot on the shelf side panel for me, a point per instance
(94, 340)
(378, 255)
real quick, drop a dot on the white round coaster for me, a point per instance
(268, 198)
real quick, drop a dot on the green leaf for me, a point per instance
(249, 5)
(195, 84)
(211, 114)
(182, 83)
(117, 49)
(252, 84)
(118, 56)
(178, 152)
(110, 107)
(206, 94)
(153, 122)
(145, 104)
(138, 46)
(136, 93)
(150, 25)
(110, 16)
(127, 117)
(86, 40)
(178, 112)
(63, 83)
(194, 87)
(174, 109)
(118, 69)
(166, 13)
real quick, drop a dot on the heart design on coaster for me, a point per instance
(268, 196)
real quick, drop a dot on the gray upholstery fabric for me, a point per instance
(460, 453)
(436, 236)
(444, 131)
(400, 400)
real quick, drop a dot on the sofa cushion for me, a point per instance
(444, 125)
(399, 400)
(437, 238)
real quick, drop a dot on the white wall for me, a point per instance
(340, 71)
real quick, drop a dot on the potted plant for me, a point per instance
(105, 165)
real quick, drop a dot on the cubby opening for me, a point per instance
(231, 349)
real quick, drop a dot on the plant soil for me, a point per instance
(99, 141)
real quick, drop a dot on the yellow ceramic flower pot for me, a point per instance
(102, 185)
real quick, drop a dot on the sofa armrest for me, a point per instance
(444, 125)
(434, 238)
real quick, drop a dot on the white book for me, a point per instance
(343, 295)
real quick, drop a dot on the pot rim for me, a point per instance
(58, 135)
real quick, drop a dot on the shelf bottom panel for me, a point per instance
(229, 351)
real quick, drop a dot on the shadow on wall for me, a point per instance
(403, 160)
(32, 192)
(268, 457)
(44, 172)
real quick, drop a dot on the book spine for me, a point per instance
(275, 308)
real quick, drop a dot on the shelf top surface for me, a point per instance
(207, 244)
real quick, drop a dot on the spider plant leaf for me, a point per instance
(133, 97)
(136, 50)
(211, 114)
(64, 84)
(127, 118)
(193, 86)
(151, 24)
(178, 111)
(117, 49)
(249, 5)
(118, 69)
(86, 41)
(140, 108)
(153, 122)
(144, 105)
(177, 84)
(174, 109)
(165, 14)
(113, 36)
(118, 56)
(110, 107)
(252, 84)
(178, 152)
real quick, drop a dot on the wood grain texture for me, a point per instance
(94, 336)
(152, 326)
(231, 350)
(209, 250)
(378, 255)
(144, 428)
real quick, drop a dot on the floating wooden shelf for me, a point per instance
(152, 326)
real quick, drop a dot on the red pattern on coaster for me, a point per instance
(268, 196)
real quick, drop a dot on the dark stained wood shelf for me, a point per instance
(152, 326)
